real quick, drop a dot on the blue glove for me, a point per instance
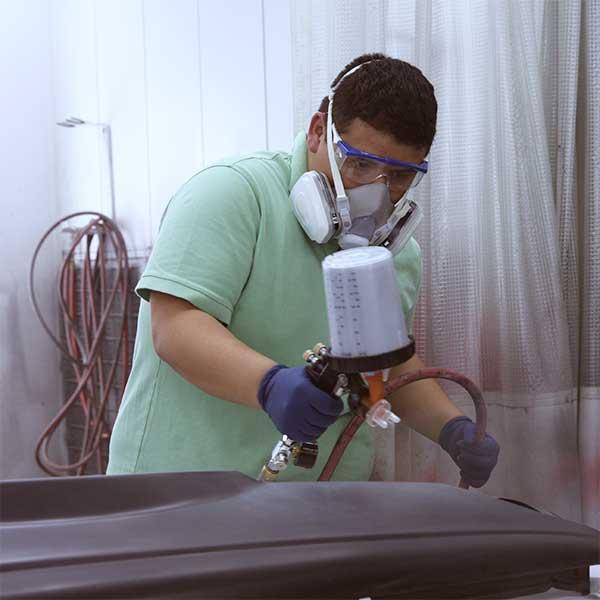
(295, 404)
(475, 460)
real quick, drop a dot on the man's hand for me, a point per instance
(476, 460)
(298, 408)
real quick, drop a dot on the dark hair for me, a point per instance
(388, 94)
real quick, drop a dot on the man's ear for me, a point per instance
(316, 131)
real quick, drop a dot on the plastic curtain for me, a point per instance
(511, 239)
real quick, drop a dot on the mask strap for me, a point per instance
(343, 205)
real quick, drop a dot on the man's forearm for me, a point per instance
(422, 405)
(206, 353)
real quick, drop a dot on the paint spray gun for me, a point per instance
(368, 336)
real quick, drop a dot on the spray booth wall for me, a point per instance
(29, 377)
(180, 83)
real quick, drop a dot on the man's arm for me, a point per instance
(422, 405)
(204, 352)
(208, 355)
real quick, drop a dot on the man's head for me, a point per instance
(386, 107)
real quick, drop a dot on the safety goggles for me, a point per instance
(361, 168)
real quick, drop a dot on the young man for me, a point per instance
(233, 294)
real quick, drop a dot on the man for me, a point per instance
(233, 294)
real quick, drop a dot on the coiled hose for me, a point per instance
(395, 384)
(102, 294)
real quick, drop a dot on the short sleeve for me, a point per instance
(408, 265)
(205, 245)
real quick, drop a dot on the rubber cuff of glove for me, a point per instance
(448, 438)
(263, 388)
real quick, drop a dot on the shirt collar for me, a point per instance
(299, 163)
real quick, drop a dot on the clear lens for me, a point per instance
(362, 170)
(402, 178)
(358, 170)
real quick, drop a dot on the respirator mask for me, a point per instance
(364, 214)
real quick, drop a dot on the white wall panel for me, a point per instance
(174, 99)
(122, 101)
(75, 86)
(181, 83)
(232, 69)
(278, 66)
(30, 386)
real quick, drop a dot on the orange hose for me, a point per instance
(376, 387)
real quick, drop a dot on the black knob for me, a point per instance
(305, 455)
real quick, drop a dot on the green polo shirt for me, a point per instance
(230, 245)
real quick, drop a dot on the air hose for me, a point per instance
(92, 291)
(391, 386)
